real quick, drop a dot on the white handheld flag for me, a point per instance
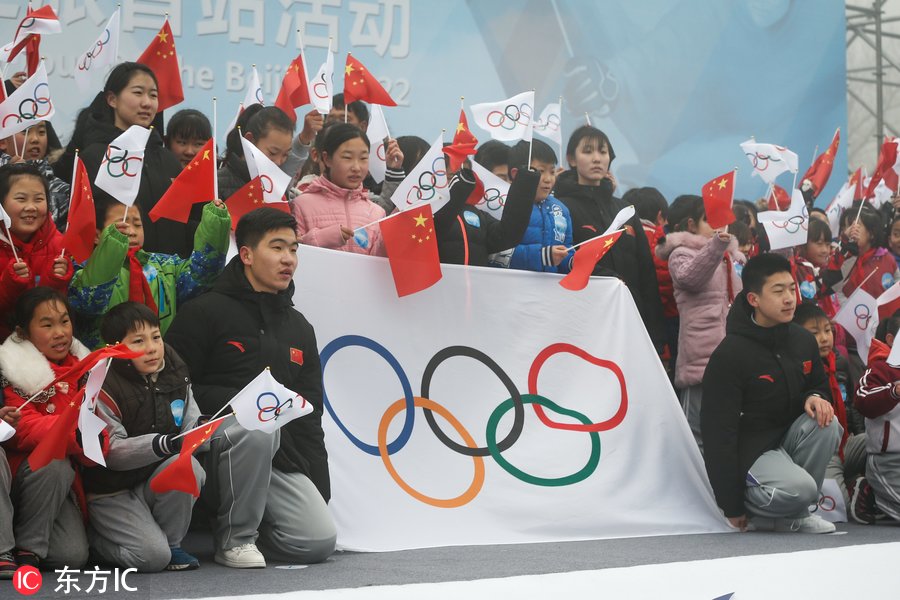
(549, 124)
(273, 180)
(495, 191)
(376, 133)
(322, 86)
(622, 217)
(122, 165)
(893, 358)
(103, 52)
(859, 316)
(89, 423)
(42, 21)
(28, 105)
(427, 183)
(508, 120)
(6, 431)
(842, 201)
(788, 228)
(266, 405)
(254, 93)
(768, 160)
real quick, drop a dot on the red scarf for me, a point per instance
(728, 269)
(138, 287)
(840, 410)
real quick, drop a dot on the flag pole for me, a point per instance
(588, 119)
(11, 243)
(207, 424)
(572, 247)
(530, 127)
(462, 105)
(215, 174)
(71, 196)
(346, 108)
(560, 131)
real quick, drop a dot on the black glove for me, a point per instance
(166, 445)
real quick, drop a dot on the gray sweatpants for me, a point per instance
(7, 541)
(784, 482)
(853, 465)
(883, 474)
(253, 502)
(47, 520)
(138, 527)
(691, 399)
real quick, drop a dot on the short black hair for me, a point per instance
(12, 171)
(741, 231)
(357, 107)
(759, 268)
(648, 203)
(413, 148)
(517, 157)
(889, 325)
(254, 225)
(188, 124)
(28, 302)
(745, 211)
(491, 154)
(684, 208)
(257, 120)
(807, 311)
(103, 202)
(870, 219)
(124, 318)
(819, 231)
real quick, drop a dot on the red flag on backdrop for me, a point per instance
(160, 56)
(718, 196)
(887, 160)
(195, 183)
(586, 258)
(463, 143)
(820, 170)
(779, 199)
(250, 197)
(81, 229)
(412, 250)
(55, 443)
(179, 475)
(360, 84)
(294, 91)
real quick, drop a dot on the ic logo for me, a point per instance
(27, 580)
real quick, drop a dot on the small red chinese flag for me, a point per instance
(779, 199)
(820, 170)
(161, 58)
(586, 258)
(887, 160)
(81, 229)
(250, 197)
(856, 182)
(412, 249)
(718, 195)
(179, 475)
(294, 91)
(360, 84)
(56, 442)
(463, 143)
(195, 183)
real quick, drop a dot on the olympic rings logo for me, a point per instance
(36, 107)
(265, 182)
(494, 448)
(826, 503)
(792, 225)
(320, 88)
(511, 117)
(429, 183)
(551, 124)
(88, 59)
(123, 160)
(259, 95)
(493, 199)
(863, 316)
(757, 159)
(379, 152)
(273, 407)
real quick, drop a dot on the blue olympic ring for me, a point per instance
(862, 316)
(406, 431)
(276, 408)
(89, 56)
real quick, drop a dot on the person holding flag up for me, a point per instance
(268, 491)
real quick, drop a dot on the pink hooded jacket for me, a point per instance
(322, 207)
(700, 277)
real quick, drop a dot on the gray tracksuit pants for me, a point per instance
(883, 474)
(138, 527)
(7, 541)
(853, 465)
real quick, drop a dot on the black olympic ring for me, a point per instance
(521, 112)
(274, 408)
(756, 158)
(89, 56)
(428, 182)
(519, 415)
(123, 158)
(792, 225)
(35, 101)
(322, 83)
(862, 316)
(493, 199)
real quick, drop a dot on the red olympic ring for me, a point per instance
(552, 349)
(5, 118)
(823, 500)
(379, 152)
(262, 183)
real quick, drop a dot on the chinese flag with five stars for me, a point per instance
(195, 183)
(820, 170)
(463, 143)
(360, 84)
(178, 476)
(60, 438)
(161, 58)
(718, 195)
(412, 249)
(586, 258)
(294, 91)
(81, 229)
(250, 197)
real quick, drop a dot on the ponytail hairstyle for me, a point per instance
(257, 120)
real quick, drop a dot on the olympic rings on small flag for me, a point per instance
(511, 117)
(36, 107)
(88, 58)
(273, 407)
(126, 168)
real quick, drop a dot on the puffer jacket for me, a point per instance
(654, 234)
(705, 285)
(550, 225)
(322, 207)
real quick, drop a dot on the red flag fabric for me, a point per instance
(718, 196)
(294, 91)
(586, 258)
(81, 228)
(179, 475)
(160, 56)
(779, 199)
(54, 444)
(463, 143)
(819, 172)
(477, 194)
(360, 84)
(412, 249)
(856, 180)
(195, 183)
(250, 197)
(885, 168)
(36, 22)
(889, 302)
(74, 373)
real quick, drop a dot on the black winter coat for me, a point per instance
(230, 334)
(593, 209)
(754, 388)
(484, 233)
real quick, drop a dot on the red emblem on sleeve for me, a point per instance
(297, 356)
(807, 367)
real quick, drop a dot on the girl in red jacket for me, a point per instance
(873, 267)
(48, 521)
(33, 254)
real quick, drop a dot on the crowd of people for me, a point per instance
(772, 389)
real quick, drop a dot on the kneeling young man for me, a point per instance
(767, 422)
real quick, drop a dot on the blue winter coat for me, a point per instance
(550, 225)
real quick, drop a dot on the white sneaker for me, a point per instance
(810, 524)
(245, 556)
(815, 524)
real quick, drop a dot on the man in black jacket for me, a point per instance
(767, 423)
(267, 488)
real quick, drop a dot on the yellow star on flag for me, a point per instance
(206, 155)
(163, 37)
(460, 128)
(608, 243)
(722, 183)
(420, 220)
(348, 69)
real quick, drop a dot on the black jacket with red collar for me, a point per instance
(755, 386)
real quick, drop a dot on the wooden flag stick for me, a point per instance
(572, 247)
(71, 196)
(215, 173)
(207, 424)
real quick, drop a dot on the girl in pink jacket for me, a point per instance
(702, 264)
(333, 205)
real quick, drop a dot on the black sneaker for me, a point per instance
(182, 561)
(862, 502)
(24, 558)
(8, 565)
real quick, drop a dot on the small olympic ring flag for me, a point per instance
(28, 105)
(120, 170)
(266, 405)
